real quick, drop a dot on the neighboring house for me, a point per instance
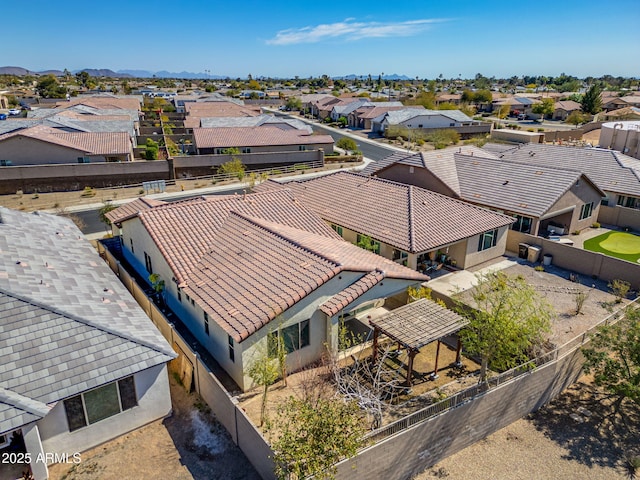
(453, 98)
(408, 225)
(623, 136)
(344, 109)
(616, 174)
(610, 103)
(240, 269)
(42, 145)
(540, 198)
(311, 103)
(217, 109)
(268, 138)
(364, 116)
(517, 105)
(564, 108)
(626, 113)
(429, 120)
(81, 361)
(282, 123)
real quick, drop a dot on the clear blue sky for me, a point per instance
(422, 38)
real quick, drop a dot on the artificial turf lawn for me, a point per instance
(616, 244)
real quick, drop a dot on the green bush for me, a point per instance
(595, 225)
(151, 150)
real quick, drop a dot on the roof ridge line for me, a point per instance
(257, 222)
(84, 321)
(412, 241)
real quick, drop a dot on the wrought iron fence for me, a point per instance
(470, 393)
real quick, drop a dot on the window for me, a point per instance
(522, 224)
(100, 403)
(629, 202)
(302, 148)
(487, 240)
(206, 323)
(294, 337)
(147, 263)
(83, 160)
(246, 150)
(337, 229)
(586, 210)
(373, 246)
(132, 250)
(400, 257)
(179, 296)
(232, 354)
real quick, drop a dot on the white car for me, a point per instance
(14, 111)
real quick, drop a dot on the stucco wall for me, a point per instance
(474, 257)
(415, 176)
(580, 261)
(620, 216)
(30, 151)
(579, 194)
(154, 401)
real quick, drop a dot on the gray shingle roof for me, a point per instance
(66, 323)
(17, 410)
(610, 170)
(481, 177)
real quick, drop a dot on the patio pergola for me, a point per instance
(415, 325)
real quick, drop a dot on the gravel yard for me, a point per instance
(577, 436)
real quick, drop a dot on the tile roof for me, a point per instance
(610, 170)
(395, 117)
(260, 120)
(408, 218)
(184, 230)
(66, 323)
(374, 111)
(254, 137)
(92, 143)
(568, 105)
(354, 291)
(131, 209)
(256, 269)
(120, 103)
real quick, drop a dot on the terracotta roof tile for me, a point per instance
(226, 137)
(256, 269)
(342, 299)
(184, 230)
(92, 143)
(407, 217)
(131, 209)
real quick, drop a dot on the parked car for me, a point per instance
(3, 116)
(14, 111)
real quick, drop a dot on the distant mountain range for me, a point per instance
(105, 72)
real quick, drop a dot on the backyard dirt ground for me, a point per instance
(190, 444)
(578, 436)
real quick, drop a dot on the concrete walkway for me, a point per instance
(462, 280)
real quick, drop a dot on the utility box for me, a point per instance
(534, 254)
(523, 250)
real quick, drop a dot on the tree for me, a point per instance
(367, 243)
(503, 111)
(151, 149)
(347, 144)
(546, 108)
(577, 118)
(263, 370)
(83, 78)
(48, 87)
(508, 319)
(233, 167)
(591, 101)
(613, 355)
(293, 104)
(312, 436)
(106, 208)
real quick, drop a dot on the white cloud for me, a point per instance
(350, 30)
